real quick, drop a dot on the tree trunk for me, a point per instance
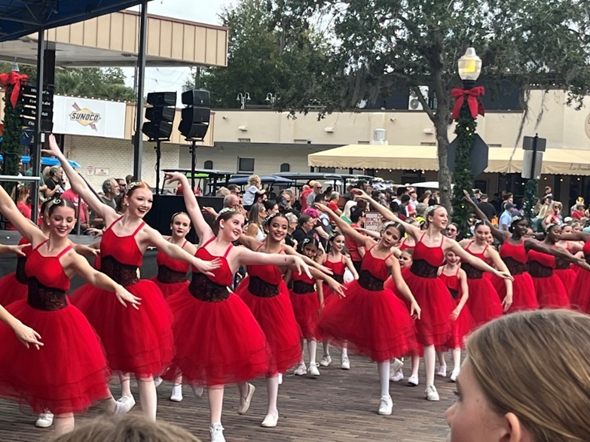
(442, 140)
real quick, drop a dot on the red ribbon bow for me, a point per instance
(475, 106)
(14, 78)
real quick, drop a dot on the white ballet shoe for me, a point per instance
(245, 401)
(198, 390)
(158, 381)
(270, 421)
(176, 395)
(125, 404)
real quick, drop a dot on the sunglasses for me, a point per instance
(451, 230)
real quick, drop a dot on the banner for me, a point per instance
(93, 118)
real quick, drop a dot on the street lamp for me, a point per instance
(243, 98)
(467, 107)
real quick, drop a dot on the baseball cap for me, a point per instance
(510, 206)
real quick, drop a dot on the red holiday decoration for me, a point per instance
(475, 106)
(15, 79)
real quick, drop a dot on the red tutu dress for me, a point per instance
(139, 342)
(267, 296)
(550, 290)
(69, 373)
(13, 287)
(172, 273)
(370, 319)
(524, 296)
(580, 295)
(338, 268)
(484, 302)
(464, 323)
(434, 326)
(565, 272)
(306, 305)
(218, 340)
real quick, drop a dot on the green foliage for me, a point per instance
(264, 57)
(465, 131)
(530, 199)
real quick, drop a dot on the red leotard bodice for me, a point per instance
(47, 269)
(267, 272)
(542, 258)
(481, 255)
(434, 256)
(27, 250)
(295, 276)
(375, 266)
(338, 267)
(176, 265)
(221, 275)
(514, 251)
(586, 250)
(123, 249)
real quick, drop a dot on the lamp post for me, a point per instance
(243, 98)
(465, 113)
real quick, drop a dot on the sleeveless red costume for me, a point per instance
(13, 287)
(371, 319)
(70, 371)
(464, 322)
(524, 296)
(565, 272)
(484, 302)
(580, 294)
(550, 290)
(140, 341)
(218, 341)
(306, 305)
(338, 268)
(267, 296)
(434, 326)
(172, 273)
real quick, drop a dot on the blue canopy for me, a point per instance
(46, 161)
(19, 18)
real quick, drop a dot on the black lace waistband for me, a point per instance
(515, 267)
(202, 288)
(21, 275)
(168, 276)
(561, 263)
(369, 282)
(259, 287)
(45, 298)
(587, 258)
(421, 268)
(338, 278)
(472, 272)
(538, 270)
(302, 287)
(123, 274)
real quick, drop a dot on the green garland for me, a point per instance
(530, 199)
(11, 147)
(463, 177)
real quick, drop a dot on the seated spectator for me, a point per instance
(578, 212)
(253, 192)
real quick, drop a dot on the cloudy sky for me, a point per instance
(203, 11)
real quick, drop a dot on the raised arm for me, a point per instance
(345, 228)
(203, 230)
(18, 220)
(500, 235)
(79, 185)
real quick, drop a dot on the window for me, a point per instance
(245, 165)
(208, 165)
(285, 167)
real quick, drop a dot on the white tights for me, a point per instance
(383, 368)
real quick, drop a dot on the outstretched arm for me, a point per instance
(25, 334)
(576, 236)
(79, 185)
(495, 257)
(22, 224)
(500, 235)
(248, 257)
(473, 260)
(192, 207)
(402, 287)
(310, 262)
(345, 228)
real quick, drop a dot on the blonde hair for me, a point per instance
(545, 375)
(254, 180)
(127, 429)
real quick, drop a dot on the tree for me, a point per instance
(262, 58)
(378, 46)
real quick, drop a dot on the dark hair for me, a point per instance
(409, 252)
(356, 214)
(232, 187)
(331, 239)
(319, 198)
(394, 206)
(266, 222)
(398, 226)
(60, 202)
(303, 219)
(270, 204)
(224, 215)
(405, 198)
(119, 202)
(456, 227)
(478, 224)
(400, 191)
(515, 221)
(307, 240)
(174, 215)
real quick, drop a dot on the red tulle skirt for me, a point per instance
(67, 375)
(375, 324)
(169, 289)
(435, 326)
(484, 302)
(524, 296)
(568, 279)
(139, 342)
(306, 307)
(462, 326)
(11, 290)
(551, 293)
(277, 320)
(217, 343)
(580, 294)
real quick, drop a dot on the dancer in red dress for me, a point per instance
(136, 341)
(338, 263)
(580, 294)
(434, 328)
(484, 302)
(563, 267)
(264, 291)
(371, 319)
(70, 373)
(218, 340)
(13, 287)
(455, 280)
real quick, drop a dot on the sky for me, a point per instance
(203, 11)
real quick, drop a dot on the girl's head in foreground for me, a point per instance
(509, 390)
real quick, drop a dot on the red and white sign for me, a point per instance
(83, 116)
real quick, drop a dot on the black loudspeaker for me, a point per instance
(196, 116)
(164, 206)
(160, 115)
(196, 98)
(161, 98)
